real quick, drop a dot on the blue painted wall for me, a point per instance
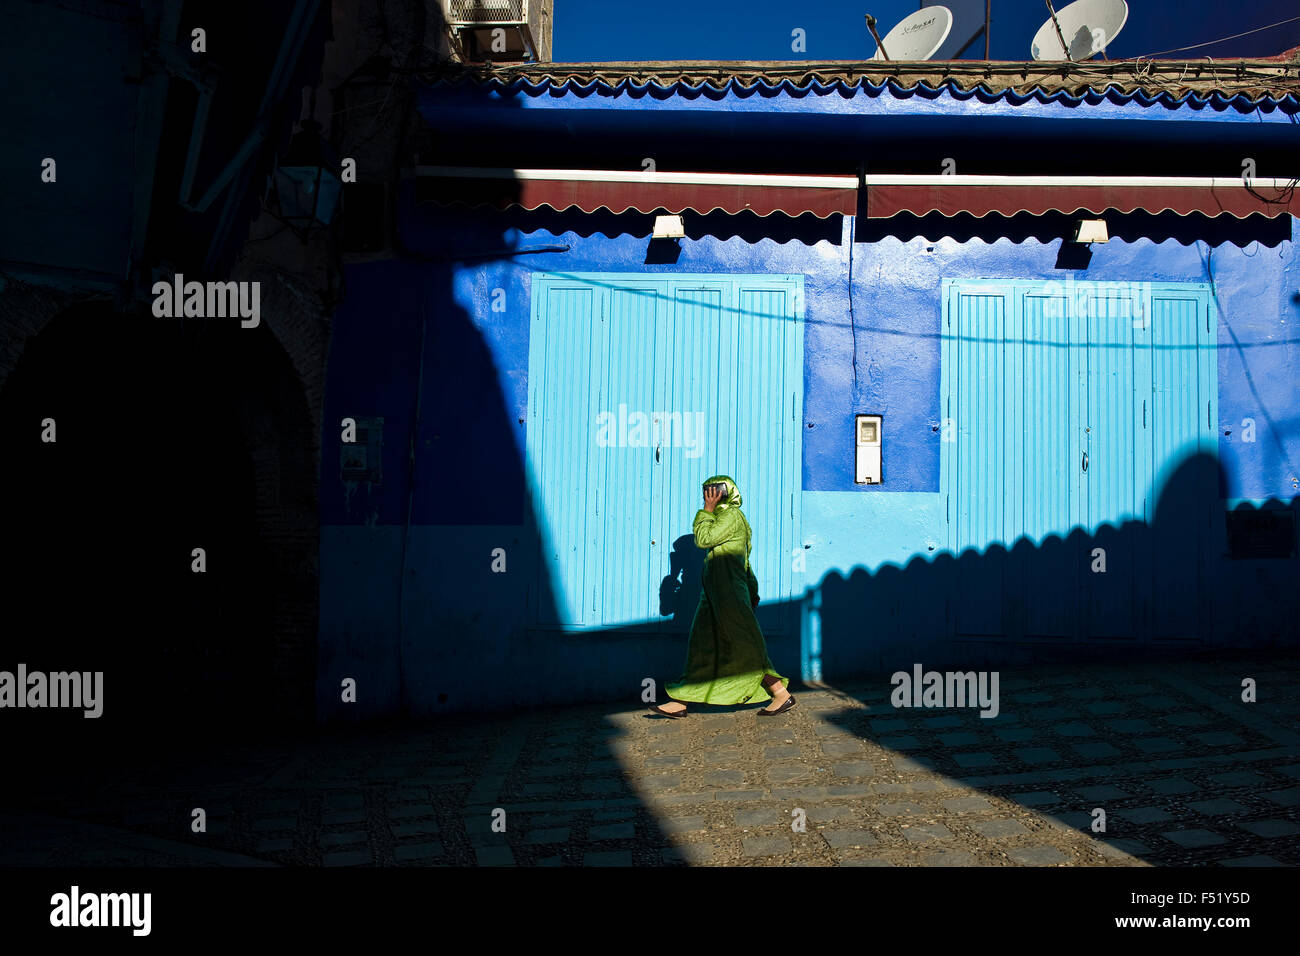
(412, 609)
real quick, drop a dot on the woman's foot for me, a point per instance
(778, 700)
(780, 694)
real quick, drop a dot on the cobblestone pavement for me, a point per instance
(1185, 772)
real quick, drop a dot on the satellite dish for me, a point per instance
(967, 27)
(918, 36)
(1088, 26)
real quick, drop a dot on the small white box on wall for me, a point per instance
(867, 444)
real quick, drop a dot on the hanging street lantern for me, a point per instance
(306, 183)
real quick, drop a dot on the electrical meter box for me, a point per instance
(867, 449)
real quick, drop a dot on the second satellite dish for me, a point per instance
(1088, 26)
(918, 36)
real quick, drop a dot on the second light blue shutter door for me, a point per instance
(770, 384)
(1049, 391)
(1037, 379)
(1114, 505)
(1182, 443)
(980, 387)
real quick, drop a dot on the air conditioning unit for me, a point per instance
(501, 31)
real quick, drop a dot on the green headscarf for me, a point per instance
(733, 493)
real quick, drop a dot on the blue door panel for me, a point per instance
(627, 546)
(1110, 479)
(1182, 413)
(694, 375)
(981, 439)
(1067, 414)
(1048, 391)
(561, 461)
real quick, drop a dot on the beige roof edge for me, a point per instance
(886, 65)
(1279, 75)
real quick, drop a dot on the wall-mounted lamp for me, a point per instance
(306, 184)
(669, 227)
(1091, 230)
(664, 249)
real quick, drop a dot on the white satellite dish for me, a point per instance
(918, 36)
(1088, 26)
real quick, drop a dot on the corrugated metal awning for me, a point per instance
(886, 194)
(619, 191)
(889, 195)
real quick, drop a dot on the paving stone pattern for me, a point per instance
(1183, 771)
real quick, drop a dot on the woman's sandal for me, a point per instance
(668, 713)
(789, 702)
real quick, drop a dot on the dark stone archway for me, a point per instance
(171, 435)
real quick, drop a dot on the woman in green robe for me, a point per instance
(726, 659)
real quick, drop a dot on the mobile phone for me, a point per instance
(721, 486)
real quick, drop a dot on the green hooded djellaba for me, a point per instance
(726, 659)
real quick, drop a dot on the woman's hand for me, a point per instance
(712, 495)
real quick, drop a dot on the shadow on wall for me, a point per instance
(1196, 580)
(679, 593)
(423, 621)
(1168, 586)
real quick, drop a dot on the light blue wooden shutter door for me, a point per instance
(1112, 423)
(567, 347)
(734, 352)
(980, 390)
(1050, 394)
(624, 558)
(1182, 392)
(691, 383)
(713, 362)
(769, 401)
(1036, 376)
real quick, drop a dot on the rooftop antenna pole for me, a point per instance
(871, 25)
(1061, 36)
(1071, 28)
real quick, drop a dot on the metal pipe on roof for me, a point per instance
(1060, 36)
(871, 25)
(988, 19)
